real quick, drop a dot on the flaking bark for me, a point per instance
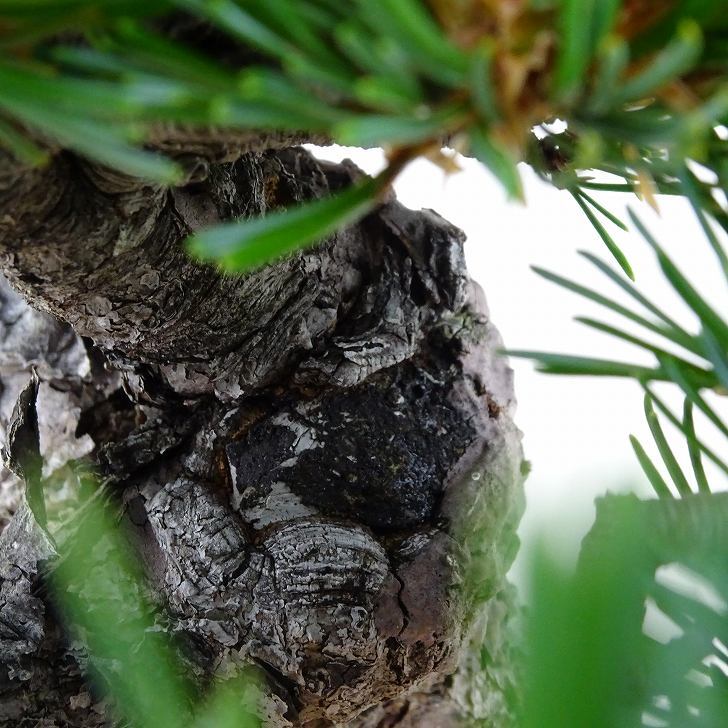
(318, 458)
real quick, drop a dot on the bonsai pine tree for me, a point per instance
(255, 412)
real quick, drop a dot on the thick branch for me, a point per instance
(342, 513)
(111, 263)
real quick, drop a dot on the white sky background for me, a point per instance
(575, 428)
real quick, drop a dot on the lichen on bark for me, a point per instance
(317, 459)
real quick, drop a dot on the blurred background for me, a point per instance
(576, 429)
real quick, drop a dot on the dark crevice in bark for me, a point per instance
(284, 688)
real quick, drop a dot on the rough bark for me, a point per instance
(318, 458)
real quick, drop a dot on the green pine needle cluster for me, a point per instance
(640, 86)
(587, 630)
(697, 362)
(598, 651)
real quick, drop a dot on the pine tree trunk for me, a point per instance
(318, 458)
